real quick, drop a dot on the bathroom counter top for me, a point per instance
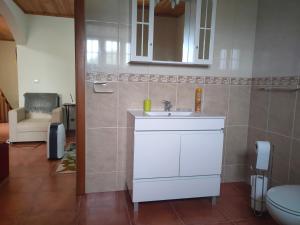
(139, 114)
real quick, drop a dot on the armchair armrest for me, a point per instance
(16, 115)
(57, 115)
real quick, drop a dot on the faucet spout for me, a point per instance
(167, 105)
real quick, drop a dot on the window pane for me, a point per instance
(145, 47)
(140, 11)
(146, 13)
(209, 13)
(207, 43)
(139, 39)
(203, 13)
(201, 44)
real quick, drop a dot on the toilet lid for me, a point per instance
(286, 196)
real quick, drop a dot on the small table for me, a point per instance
(68, 106)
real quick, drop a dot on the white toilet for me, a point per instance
(283, 203)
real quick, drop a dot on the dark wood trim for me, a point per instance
(80, 93)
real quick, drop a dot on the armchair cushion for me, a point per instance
(33, 125)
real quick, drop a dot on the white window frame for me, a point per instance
(133, 56)
(212, 34)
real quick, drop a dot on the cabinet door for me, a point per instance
(156, 154)
(205, 31)
(201, 153)
(142, 30)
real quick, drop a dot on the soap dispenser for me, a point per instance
(198, 97)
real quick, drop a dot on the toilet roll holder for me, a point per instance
(262, 174)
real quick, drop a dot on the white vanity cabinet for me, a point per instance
(174, 157)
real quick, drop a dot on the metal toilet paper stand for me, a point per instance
(259, 202)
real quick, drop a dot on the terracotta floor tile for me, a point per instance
(59, 183)
(257, 221)
(57, 218)
(235, 189)
(31, 171)
(104, 200)
(9, 220)
(154, 213)
(198, 211)
(243, 188)
(55, 201)
(15, 204)
(21, 185)
(234, 208)
(104, 216)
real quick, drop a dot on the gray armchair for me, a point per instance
(31, 122)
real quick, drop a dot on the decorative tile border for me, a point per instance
(217, 80)
(95, 76)
(163, 78)
(128, 77)
(240, 81)
(262, 81)
(209, 80)
(285, 81)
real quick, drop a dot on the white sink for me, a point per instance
(174, 113)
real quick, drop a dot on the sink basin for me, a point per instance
(174, 113)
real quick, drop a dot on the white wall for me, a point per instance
(8, 72)
(48, 56)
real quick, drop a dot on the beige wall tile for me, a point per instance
(186, 96)
(281, 157)
(121, 181)
(295, 163)
(239, 105)
(236, 145)
(100, 182)
(216, 99)
(281, 114)
(101, 150)
(259, 108)
(101, 108)
(162, 91)
(297, 119)
(122, 149)
(235, 173)
(131, 96)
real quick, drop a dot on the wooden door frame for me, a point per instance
(80, 93)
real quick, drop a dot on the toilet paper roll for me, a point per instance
(263, 149)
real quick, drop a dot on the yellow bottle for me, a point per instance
(198, 97)
(147, 105)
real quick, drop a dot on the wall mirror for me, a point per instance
(173, 31)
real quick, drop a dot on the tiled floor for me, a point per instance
(35, 195)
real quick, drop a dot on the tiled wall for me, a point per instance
(226, 86)
(275, 115)
(107, 119)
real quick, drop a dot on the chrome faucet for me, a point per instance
(167, 105)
